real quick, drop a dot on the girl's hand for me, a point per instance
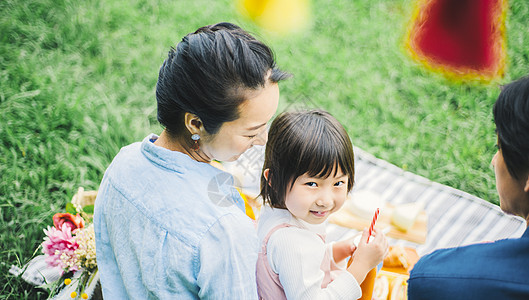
(343, 249)
(368, 255)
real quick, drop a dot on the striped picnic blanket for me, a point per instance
(455, 218)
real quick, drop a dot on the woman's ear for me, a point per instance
(526, 188)
(266, 173)
(193, 123)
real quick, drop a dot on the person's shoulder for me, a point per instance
(284, 229)
(269, 218)
(478, 271)
(293, 238)
(485, 248)
(130, 149)
(125, 156)
(488, 259)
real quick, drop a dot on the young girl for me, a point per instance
(307, 174)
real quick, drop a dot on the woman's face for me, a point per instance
(235, 137)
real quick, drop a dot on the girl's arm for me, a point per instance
(297, 255)
(343, 249)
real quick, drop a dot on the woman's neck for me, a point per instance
(179, 144)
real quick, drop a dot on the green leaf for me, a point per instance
(89, 209)
(70, 208)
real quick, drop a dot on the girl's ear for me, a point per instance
(266, 172)
(526, 188)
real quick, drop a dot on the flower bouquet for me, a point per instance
(68, 268)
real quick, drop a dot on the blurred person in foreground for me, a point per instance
(168, 224)
(496, 270)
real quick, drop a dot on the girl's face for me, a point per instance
(235, 137)
(313, 199)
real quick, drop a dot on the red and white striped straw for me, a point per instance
(374, 221)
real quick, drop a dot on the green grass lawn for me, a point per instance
(77, 83)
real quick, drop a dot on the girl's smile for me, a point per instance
(313, 199)
(320, 214)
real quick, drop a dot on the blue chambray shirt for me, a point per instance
(169, 227)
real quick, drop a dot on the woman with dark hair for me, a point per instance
(168, 224)
(496, 270)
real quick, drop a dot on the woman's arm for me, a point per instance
(227, 259)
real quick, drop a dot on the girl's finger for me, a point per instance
(365, 236)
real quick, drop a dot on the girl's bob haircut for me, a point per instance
(304, 142)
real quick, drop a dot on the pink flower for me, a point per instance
(59, 246)
(66, 218)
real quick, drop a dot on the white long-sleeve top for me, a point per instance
(296, 254)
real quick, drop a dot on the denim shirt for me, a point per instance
(169, 227)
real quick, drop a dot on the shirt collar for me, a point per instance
(284, 215)
(316, 228)
(173, 160)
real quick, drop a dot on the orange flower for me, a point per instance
(74, 222)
